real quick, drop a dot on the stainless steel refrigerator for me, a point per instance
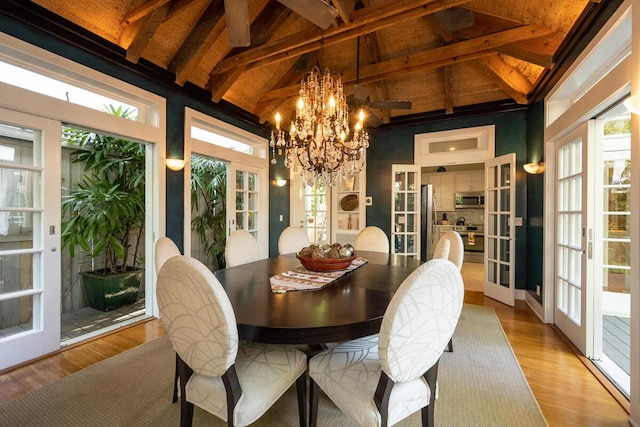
(428, 217)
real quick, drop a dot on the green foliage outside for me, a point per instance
(208, 206)
(105, 211)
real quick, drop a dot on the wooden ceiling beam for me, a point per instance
(364, 21)
(264, 27)
(178, 6)
(508, 79)
(199, 41)
(341, 7)
(140, 9)
(145, 31)
(538, 51)
(445, 55)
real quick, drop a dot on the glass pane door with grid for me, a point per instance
(29, 237)
(247, 195)
(574, 236)
(500, 229)
(405, 210)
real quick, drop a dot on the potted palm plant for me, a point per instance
(104, 213)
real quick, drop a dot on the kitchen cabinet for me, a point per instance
(443, 191)
(473, 181)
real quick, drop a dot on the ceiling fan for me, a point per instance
(360, 99)
(319, 12)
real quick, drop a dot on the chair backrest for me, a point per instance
(441, 251)
(420, 320)
(456, 248)
(371, 239)
(241, 248)
(292, 239)
(165, 249)
(197, 315)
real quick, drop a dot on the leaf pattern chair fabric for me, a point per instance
(166, 249)
(381, 379)
(292, 239)
(241, 248)
(236, 381)
(450, 247)
(371, 239)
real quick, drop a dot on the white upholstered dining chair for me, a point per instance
(450, 247)
(235, 381)
(166, 249)
(292, 239)
(371, 239)
(241, 248)
(455, 253)
(381, 379)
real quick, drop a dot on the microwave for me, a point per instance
(470, 200)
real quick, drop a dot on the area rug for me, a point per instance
(480, 384)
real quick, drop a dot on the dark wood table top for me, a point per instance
(350, 307)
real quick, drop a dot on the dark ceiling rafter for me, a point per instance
(264, 27)
(364, 22)
(450, 54)
(196, 46)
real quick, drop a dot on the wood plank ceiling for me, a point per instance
(439, 54)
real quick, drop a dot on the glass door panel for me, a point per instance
(573, 235)
(499, 229)
(29, 304)
(405, 229)
(247, 184)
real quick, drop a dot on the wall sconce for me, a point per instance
(280, 182)
(633, 103)
(174, 164)
(534, 168)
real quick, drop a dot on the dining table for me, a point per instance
(350, 307)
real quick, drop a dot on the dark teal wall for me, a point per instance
(389, 146)
(535, 193)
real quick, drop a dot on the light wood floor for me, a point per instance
(568, 394)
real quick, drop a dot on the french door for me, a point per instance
(500, 202)
(246, 193)
(29, 237)
(405, 210)
(574, 236)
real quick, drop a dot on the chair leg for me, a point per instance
(301, 386)
(176, 381)
(186, 408)
(450, 346)
(314, 396)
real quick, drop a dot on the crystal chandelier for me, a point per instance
(320, 145)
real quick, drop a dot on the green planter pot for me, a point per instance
(111, 291)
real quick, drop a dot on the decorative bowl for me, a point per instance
(325, 264)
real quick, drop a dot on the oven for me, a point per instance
(473, 242)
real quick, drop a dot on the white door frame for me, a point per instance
(258, 162)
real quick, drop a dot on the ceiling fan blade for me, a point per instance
(360, 94)
(372, 119)
(317, 11)
(391, 105)
(236, 13)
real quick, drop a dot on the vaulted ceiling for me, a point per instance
(439, 54)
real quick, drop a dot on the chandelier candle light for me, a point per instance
(319, 146)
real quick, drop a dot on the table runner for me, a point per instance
(302, 279)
